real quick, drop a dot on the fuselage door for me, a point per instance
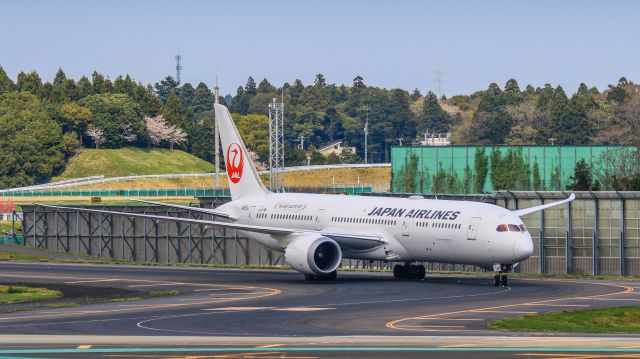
(405, 228)
(472, 232)
(319, 216)
(252, 213)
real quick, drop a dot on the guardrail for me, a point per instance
(180, 192)
(87, 181)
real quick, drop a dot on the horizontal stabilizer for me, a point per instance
(212, 212)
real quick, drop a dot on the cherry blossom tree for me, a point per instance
(96, 135)
(161, 131)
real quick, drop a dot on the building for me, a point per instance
(335, 147)
(436, 139)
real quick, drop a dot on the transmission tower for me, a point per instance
(276, 145)
(178, 67)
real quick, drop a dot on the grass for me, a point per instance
(20, 294)
(132, 161)
(162, 293)
(5, 226)
(607, 320)
(10, 256)
(377, 177)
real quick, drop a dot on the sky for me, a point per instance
(391, 44)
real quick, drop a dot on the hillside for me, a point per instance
(132, 161)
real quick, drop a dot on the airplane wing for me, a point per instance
(525, 211)
(195, 209)
(345, 240)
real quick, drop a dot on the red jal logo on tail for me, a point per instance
(235, 162)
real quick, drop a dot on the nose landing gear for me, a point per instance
(409, 271)
(500, 279)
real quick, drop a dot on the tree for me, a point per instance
(265, 87)
(433, 118)
(160, 130)
(31, 139)
(84, 88)
(416, 94)
(100, 84)
(319, 82)
(6, 85)
(164, 88)
(240, 102)
(112, 113)
(96, 135)
(185, 95)
(250, 87)
(76, 117)
(202, 99)
(157, 129)
(173, 110)
(30, 82)
(581, 177)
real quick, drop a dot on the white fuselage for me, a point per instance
(413, 229)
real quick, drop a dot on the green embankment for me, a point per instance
(20, 294)
(132, 161)
(606, 320)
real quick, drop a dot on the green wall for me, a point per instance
(456, 167)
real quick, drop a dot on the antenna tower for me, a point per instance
(276, 145)
(178, 67)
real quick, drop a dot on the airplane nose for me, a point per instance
(522, 248)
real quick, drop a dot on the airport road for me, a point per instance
(264, 313)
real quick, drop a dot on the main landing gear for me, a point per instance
(409, 271)
(500, 279)
(331, 276)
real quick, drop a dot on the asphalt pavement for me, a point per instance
(276, 313)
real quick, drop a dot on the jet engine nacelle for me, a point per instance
(313, 254)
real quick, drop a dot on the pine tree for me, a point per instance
(173, 110)
(30, 82)
(84, 88)
(250, 87)
(164, 88)
(433, 118)
(185, 95)
(265, 87)
(6, 84)
(202, 99)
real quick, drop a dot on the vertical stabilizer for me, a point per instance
(241, 173)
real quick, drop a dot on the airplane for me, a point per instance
(316, 231)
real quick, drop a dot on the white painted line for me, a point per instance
(302, 309)
(239, 309)
(84, 346)
(92, 281)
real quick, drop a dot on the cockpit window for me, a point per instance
(523, 228)
(514, 228)
(502, 228)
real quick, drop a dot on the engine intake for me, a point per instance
(312, 254)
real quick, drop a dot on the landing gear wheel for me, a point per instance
(309, 277)
(398, 271)
(496, 280)
(409, 271)
(503, 280)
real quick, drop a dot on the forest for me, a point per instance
(43, 124)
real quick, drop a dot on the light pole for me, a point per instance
(366, 135)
